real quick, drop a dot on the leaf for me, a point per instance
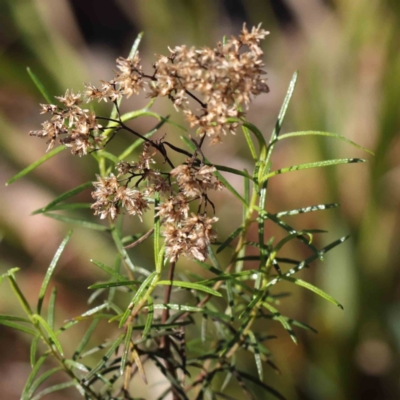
(113, 284)
(39, 85)
(313, 288)
(191, 285)
(116, 275)
(37, 318)
(69, 207)
(318, 164)
(33, 348)
(177, 307)
(18, 327)
(303, 210)
(55, 388)
(127, 349)
(50, 271)
(267, 388)
(41, 379)
(250, 143)
(278, 316)
(32, 375)
(232, 236)
(51, 310)
(113, 347)
(231, 170)
(138, 295)
(85, 339)
(285, 104)
(21, 298)
(34, 165)
(327, 134)
(76, 221)
(63, 197)
(150, 317)
(257, 356)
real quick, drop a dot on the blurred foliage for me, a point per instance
(349, 63)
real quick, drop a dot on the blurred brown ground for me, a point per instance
(348, 56)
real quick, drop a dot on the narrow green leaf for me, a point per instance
(113, 347)
(51, 310)
(231, 170)
(63, 197)
(37, 318)
(85, 339)
(33, 349)
(4, 317)
(77, 365)
(250, 143)
(191, 285)
(150, 317)
(113, 284)
(266, 387)
(41, 379)
(55, 388)
(124, 254)
(32, 375)
(79, 222)
(327, 134)
(278, 316)
(106, 154)
(285, 104)
(127, 349)
(149, 281)
(116, 275)
(177, 307)
(18, 327)
(50, 271)
(36, 164)
(304, 210)
(257, 356)
(39, 85)
(313, 288)
(21, 298)
(232, 236)
(68, 207)
(318, 164)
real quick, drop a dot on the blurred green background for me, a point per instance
(347, 52)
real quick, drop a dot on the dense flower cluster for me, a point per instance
(77, 127)
(213, 88)
(226, 77)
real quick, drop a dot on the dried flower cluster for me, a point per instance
(226, 77)
(78, 128)
(221, 82)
